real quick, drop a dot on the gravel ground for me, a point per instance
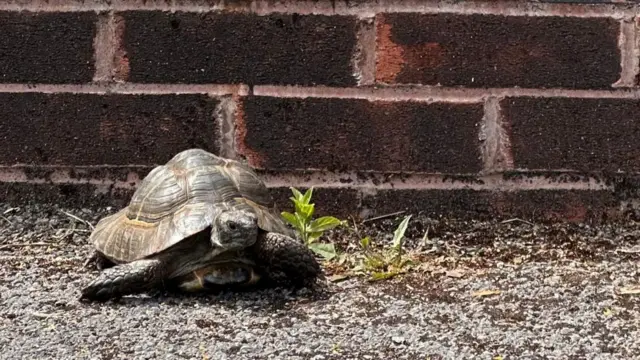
(559, 299)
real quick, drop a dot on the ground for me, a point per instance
(565, 292)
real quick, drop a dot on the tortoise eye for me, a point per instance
(232, 225)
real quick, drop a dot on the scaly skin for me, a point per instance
(125, 279)
(281, 259)
(286, 261)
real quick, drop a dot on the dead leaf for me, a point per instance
(631, 250)
(487, 292)
(631, 290)
(455, 273)
(338, 277)
(10, 210)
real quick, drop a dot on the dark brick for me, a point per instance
(46, 47)
(340, 202)
(354, 134)
(587, 1)
(458, 203)
(88, 129)
(66, 195)
(576, 134)
(558, 205)
(498, 51)
(240, 48)
(536, 205)
(82, 173)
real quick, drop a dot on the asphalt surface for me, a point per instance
(559, 298)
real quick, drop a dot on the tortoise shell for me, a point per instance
(180, 199)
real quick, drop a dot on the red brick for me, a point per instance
(355, 134)
(240, 48)
(497, 51)
(88, 129)
(46, 47)
(575, 134)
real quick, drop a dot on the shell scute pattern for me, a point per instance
(179, 199)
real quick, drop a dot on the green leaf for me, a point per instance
(307, 196)
(365, 242)
(324, 223)
(313, 236)
(399, 233)
(326, 250)
(383, 275)
(301, 225)
(373, 262)
(306, 211)
(290, 218)
(406, 262)
(297, 194)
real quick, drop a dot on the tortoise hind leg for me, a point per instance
(124, 279)
(286, 261)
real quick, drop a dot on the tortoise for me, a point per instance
(198, 222)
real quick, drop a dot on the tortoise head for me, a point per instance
(234, 229)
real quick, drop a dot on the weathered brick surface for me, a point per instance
(46, 47)
(575, 134)
(553, 51)
(352, 134)
(497, 51)
(66, 195)
(240, 48)
(537, 205)
(462, 203)
(541, 205)
(87, 129)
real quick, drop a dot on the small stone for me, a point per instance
(398, 339)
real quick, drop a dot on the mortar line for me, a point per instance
(104, 48)
(364, 58)
(340, 7)
(399, 93)
(496, 147)
(493, 182)
(225, 117)
(20, 166)
(124, 88)
(629, 54)
(436, 93)
(346, 180)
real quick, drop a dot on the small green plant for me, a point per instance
(311, 230)
(386, 263)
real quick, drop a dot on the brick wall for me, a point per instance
(478, 109)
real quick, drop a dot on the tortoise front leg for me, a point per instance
(124, 279)
(285, 260)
